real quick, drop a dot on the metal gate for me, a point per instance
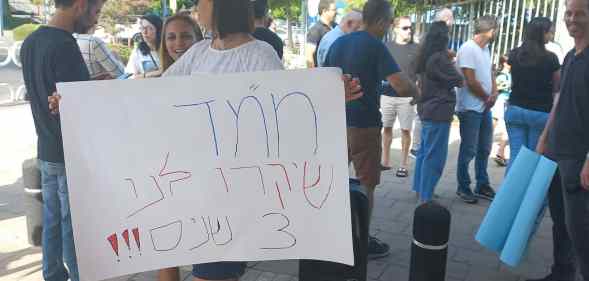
(512, 15)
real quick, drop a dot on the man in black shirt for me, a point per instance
(327, 13)
(262, 32)
(51, 55)
(566, 137)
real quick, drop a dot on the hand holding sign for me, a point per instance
(238, 167)
(53, 102)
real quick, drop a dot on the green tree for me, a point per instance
(120, 12)
(400, 7)
(289, 10)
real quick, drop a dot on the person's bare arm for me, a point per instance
(309, 54)
(473, 84)
(403, 86)
(556, 82)
(541, 147)
(491, 99)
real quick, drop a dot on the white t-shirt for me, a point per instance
(202, 58)
(472, 56)
(140, 63)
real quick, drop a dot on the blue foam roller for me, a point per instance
(528, 219)
(502, 213)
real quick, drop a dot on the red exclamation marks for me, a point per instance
(137, 240)
(114, 243)
(126, 238)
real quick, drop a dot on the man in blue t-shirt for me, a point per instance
(363, 55)
(51, 55)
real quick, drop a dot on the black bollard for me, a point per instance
(429, 250)
(33, 200)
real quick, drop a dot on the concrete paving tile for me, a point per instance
(266, 276)
(251, 275)
(395, 272)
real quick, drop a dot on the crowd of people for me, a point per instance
(539, 97)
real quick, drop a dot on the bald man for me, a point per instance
(349, 23)
(446, 15)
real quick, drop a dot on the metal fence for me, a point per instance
(512, 15)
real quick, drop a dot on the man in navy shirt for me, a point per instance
(51, 55)
(566, 139)
(363, 55)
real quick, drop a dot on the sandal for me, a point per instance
(402, 173)
(501, 162)
(384, 168)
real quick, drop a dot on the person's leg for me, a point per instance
(364, 148)
(435, 149)
(387, 140)
(485, 143)
(416, 134)
(564, 267)
(537, 122)
(470, 123)
(502, 145)
(405, 146)
(418, 175)
(53, 268)
(576, 201)
(501, 130)
(169, 274)
(388, 121)
(69, 251)
(406, 117)
(517, 131)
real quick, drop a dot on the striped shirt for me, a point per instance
(98, 58)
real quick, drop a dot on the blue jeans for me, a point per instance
(524, 128)
(58, 238)
(476, 133)
(431, 158)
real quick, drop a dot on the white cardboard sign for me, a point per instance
(183, 170)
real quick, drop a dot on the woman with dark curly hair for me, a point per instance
(438, 77)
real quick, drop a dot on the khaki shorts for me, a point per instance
(364, 151)
(396, 107)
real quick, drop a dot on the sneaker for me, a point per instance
(485, 192)
(413, 153)
(377, 249)
(467, 197)
(402, 173)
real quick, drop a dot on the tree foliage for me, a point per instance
(400, 7)
(119, 11)
(285, 9)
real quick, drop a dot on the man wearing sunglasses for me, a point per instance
(393, 107)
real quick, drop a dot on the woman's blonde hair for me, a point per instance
(165, 57)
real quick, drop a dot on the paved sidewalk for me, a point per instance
(393, 215)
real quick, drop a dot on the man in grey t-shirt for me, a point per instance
(473, 104)
(405, 52)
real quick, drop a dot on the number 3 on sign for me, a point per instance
(282, 228)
